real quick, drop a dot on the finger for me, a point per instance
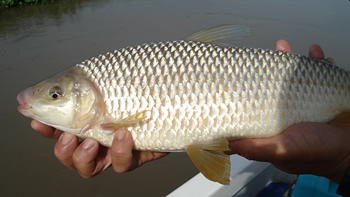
(45, 130)
(316, 51)
(283, 45)
(262, 149)
(142, 157)
(122, 155)
(84, 158)
(65, 148)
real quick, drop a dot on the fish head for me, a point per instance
(67, 101)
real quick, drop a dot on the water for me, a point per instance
(39, 41)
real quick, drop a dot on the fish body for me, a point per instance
(189, 95)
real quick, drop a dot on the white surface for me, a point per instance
(242, 172)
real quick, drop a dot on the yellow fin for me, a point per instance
(342, 119)
(126, 122)
(211, 161)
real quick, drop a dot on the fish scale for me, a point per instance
(200, 92)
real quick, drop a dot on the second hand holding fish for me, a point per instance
(89, 158)
(305, 148)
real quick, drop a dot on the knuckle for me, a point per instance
(250, 155)
(119, 152)
(85, 176)
(60, 154)
(77, 158)
(120, 169)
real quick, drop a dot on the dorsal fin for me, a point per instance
(330, 60)
(220, 33)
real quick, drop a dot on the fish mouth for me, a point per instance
(25, 111)
(24, 107)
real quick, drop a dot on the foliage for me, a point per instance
(14, 3)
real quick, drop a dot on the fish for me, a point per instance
(192, 95)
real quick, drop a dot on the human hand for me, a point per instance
(89, 158)
(305, 148)
(315, 50)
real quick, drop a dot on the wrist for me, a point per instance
(340, 173)
(343, 166)
(343, 188)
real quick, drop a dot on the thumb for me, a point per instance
(122, 155)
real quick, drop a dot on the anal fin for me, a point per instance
(342, 119)
(211, 160)
(126, 122)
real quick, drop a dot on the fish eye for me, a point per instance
(55, 93)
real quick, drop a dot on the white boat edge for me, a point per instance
(242, 172)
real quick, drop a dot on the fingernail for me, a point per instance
(66, 138)
(120, 134)
(88, 143)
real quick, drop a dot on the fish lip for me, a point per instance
(25, 111)
(24, 107)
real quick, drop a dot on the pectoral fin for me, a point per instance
(126, 122)
(211, 161)
(342, 119)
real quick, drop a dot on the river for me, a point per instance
(39, 41)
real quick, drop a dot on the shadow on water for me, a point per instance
(34, 18)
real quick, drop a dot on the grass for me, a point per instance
(15, 3)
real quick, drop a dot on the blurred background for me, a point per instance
(40, 40)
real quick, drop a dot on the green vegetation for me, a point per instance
(14, 3)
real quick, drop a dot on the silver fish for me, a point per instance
(190, 95)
